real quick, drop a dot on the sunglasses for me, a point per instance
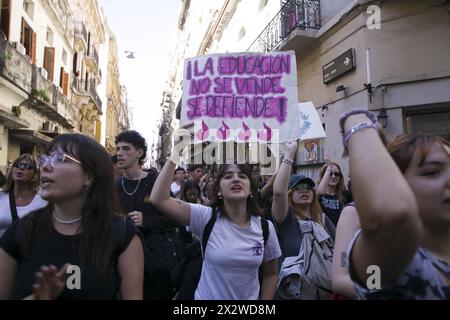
(302, 187)
(336, 174)
(24, 165)
(55, 159)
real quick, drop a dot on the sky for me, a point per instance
(147, 28)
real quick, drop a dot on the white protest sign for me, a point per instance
(242, 97)
(310, 124)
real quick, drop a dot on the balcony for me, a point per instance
(81, 36)
(15, 67)
(41, 94)
(85, 90)
(294, 27)
(91, 59)
(47, 99)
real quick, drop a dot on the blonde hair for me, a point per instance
(34, 182)
(340, 188)
(314, 208)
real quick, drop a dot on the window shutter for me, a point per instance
(49, 62)
(33, 47)
(65, 85)
(61, 76)
(5, 17)
(22, 32)
(75, 63)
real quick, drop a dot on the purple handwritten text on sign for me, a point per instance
(241, 91)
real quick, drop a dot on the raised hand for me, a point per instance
(290, 150)
(50, 282)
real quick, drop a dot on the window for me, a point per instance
(28, 7)
(45, 126)
(28, 40)
(5, 16)
(49, 62)
(431, 119)
(241, 33)
(64, 81)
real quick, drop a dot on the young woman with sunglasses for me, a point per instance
(79, 227)
(19, 194)
(330, 190)
(295, 199)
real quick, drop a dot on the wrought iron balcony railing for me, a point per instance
(294, 14)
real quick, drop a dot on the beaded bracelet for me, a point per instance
(359, 127)
(288, 161)
(356, 128)
(345, 115)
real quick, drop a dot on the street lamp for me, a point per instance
(382, 118)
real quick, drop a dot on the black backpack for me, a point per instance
(186, 275)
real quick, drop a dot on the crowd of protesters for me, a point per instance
(279, 237)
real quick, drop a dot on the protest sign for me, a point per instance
(310, 124)
(242, 97)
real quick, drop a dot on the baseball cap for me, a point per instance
(296, 179)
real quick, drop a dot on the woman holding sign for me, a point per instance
(236, 249)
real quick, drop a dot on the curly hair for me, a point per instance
(135, 138)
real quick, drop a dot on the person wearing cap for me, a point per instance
(294, 199)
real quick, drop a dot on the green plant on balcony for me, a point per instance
(41, 94)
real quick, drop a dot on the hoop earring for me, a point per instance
(220, 197)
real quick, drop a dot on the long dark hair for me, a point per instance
(188, 185)
(252, 206)
(97, 239)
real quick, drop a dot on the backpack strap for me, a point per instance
(208, 228)
(12, 205)
(265, 229)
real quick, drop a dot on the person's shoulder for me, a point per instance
(39, 200)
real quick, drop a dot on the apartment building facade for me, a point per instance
(390, 57)
(49, 73)
(117, 118)
(35, 65)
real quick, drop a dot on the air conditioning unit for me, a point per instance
(19, 47)
(16, 110)
(43, 72)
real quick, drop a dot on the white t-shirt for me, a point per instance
(233, 256)
(175, 188)
(5, 211)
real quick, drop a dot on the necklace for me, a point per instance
(66, 221)
(135, 189)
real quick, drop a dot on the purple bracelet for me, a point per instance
(356, 128)
(345, 115)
